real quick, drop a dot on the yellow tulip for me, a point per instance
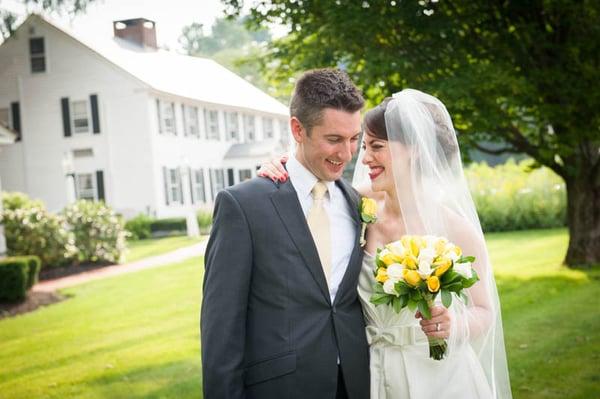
(456, 249)
(381, 275)
(388, 258)
(433, 283)
(441, 266)
(410, 262)
(440, 245)
(369, 207)
(411, 277)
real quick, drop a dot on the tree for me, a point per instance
(524, 74)
(231, 44)
(9, 19)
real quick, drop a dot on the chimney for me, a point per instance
(140, 31)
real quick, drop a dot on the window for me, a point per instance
(174, 185)
(245, 174)
(86, 186)
(83, 153)
(4, 117)
(166, 117)
(233, 128)
(80, 118)
(211, 119)
(198, 185)
(37, 55)
(217, 180)
(284, 129)
(191, 121)
(268, 132)
(250, 127)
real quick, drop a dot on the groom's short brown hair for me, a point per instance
(319, 89)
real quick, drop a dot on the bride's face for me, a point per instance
(378, 157)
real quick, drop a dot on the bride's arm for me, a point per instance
(479, 311)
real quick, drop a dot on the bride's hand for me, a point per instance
(439, 324)
(274, 169)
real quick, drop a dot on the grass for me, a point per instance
(136, 335)
(156, 246)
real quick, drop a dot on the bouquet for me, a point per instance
(411, 273)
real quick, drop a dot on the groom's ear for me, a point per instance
(298, 130)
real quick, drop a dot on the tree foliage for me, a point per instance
(522, 74)
(8, 19)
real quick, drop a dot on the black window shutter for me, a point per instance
(100, 184)
(165, 177)
(230, 178)
(185, 128)
(15, 110)
(66, 116)
(212, 183)
(95, 118)
(180, 184)
(159, 121)
(174, 119)
(191, 186)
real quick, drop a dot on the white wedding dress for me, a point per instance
(399, 355)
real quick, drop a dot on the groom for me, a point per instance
(280, 315)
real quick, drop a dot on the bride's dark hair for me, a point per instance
(375, 120)
(375, 123)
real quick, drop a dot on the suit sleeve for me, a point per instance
(228, 261)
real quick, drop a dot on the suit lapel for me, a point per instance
(351, 271)
(289, 210)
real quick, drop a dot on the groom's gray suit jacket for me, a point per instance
(268, 327)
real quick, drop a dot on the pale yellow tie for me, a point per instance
(318, 223)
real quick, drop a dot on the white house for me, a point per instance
(7, 137)
(144, 129)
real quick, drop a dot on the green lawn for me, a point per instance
(157, 246)
(136, 335)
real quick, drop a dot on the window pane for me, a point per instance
(4, 116)
(85, 186)
(80, 116)
(168, 117)
(268, 128)
(250, 127)
(191, 120)
(232, 126)
(38, 64)
(36, 46)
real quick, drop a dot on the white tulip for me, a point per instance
(464, 269)
(388, 286)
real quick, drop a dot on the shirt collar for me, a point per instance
(303, 179)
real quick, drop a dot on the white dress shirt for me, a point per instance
(340, 220)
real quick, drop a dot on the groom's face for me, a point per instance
(330, 145)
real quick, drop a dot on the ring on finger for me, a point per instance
(437, 326)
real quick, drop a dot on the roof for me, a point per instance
(193, 77)
(253, 149)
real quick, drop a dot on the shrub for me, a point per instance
(16, 200)
(168, 225)
(99, 232)
(514, 197)
(13, 278)
(35, 265)
(205, 218)
(31, 230)
(139, 227)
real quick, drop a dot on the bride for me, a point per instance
(410, 164)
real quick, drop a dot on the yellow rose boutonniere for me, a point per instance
(368, 215)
